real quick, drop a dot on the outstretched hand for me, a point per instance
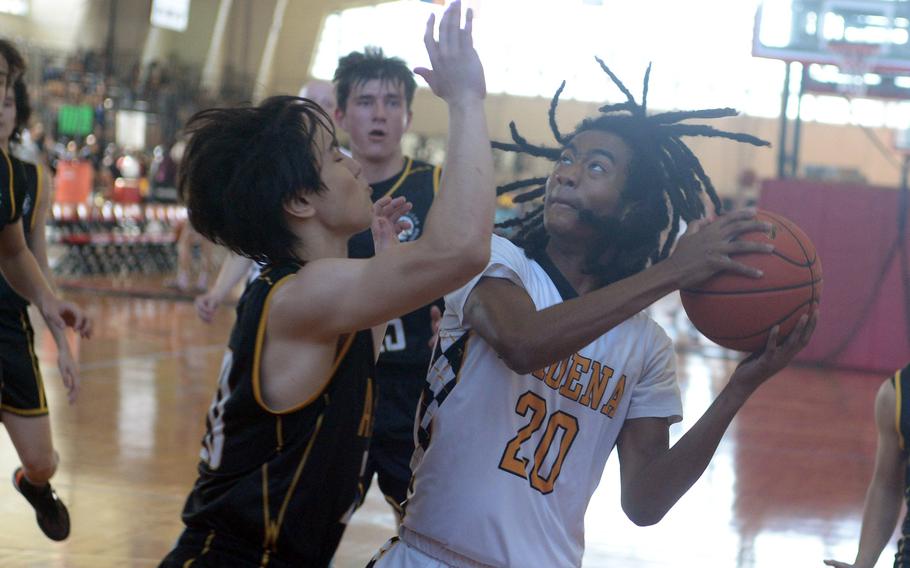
(387, 223)
(207, 306)
(837, 564)
(759, 367)
(708, 247)
(457, 73)
(62, 314)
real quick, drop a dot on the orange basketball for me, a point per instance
(738, 312)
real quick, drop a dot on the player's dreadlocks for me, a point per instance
(664, 182)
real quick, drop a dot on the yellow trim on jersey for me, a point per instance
(12, 191)
(337, 363)
(365, 428)
(21, 412)
(397, 506)
(338, 359)
(897, 413)
(266, 517)
(257, 357)
(264, 274)
(437, 178)
(36, 368)
(208, 543)
(272, 531)
(404, 176)
(37, 204)
(279, 434)
(206, 546)
(260, 337)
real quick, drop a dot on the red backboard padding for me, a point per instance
(852, 227)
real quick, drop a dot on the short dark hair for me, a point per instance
(14, 59)
(664, 184)
(241, 165)
(23, 109)
(357, 68)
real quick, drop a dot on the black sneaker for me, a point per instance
(51, 513)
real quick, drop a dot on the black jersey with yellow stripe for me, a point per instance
(11, 193)
(29, 185)
(405, 351)
(282, 483)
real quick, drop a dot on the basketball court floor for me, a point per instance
(785, 489)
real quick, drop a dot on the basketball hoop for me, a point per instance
(855, 61)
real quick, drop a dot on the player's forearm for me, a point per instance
(557, 332)
(233, 270)
(461, 219)
(880, 516)
(24, 275)
(38, 247)
(59, 335)
(653, 491)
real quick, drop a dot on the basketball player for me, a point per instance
(186, 242)
(322, 93)
(890, 484)
(24, 409)
(189, 241)
(17, 263)
(548, 360)
(288, 429)
(235, 267)
(375, 93)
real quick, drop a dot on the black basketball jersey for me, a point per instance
(11, 194)
(405, 353)
(901, 381)
(283, 483)
(28, 184)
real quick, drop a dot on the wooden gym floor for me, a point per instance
(785, 489)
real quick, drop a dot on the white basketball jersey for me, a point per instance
(507, 463)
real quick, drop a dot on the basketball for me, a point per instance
(738, 312)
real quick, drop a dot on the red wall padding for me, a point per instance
(852, 227)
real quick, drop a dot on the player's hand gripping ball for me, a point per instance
(737, 312)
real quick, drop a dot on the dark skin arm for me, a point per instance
(528, 339)
(655, 476)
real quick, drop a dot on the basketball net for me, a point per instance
(856, 59)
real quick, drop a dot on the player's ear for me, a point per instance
(300, 206)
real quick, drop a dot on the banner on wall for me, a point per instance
(170, 14)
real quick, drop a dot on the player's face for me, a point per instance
(375, 117)
(346, 206)
(589, 175)
(7, 115)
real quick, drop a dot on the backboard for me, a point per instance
(852, 47)
(810, 31)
